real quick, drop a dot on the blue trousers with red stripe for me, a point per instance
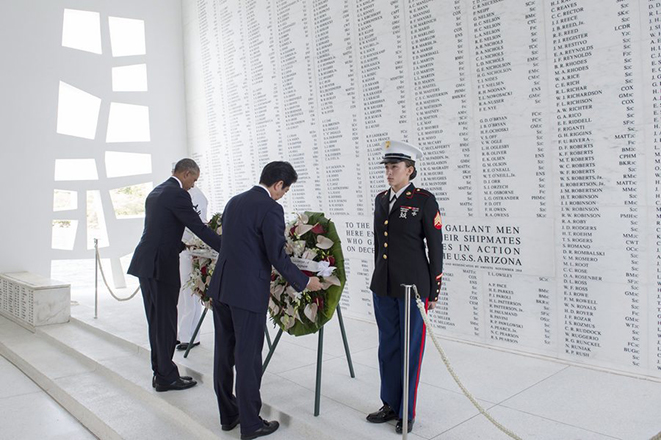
(389, 313)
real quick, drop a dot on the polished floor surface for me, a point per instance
(535, 398)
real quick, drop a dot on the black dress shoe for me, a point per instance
(153, 380)
(230, 426)
(385, 414)
(268, 428)
(184, 345)
(400, 423)
(179, 384)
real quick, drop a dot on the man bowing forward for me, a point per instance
(155, 262)
(254, 240)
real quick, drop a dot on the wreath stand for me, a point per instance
(320, 350)
(199, 324)
(274, 344)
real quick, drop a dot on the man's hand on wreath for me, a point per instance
(314, 284)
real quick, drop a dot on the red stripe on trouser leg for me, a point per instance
(422, 350)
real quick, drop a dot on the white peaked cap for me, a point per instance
(397, 151)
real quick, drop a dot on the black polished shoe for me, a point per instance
(268, 428)
(385, 414)
(230, 426)
(400, 423)
(179, 384)
(184, 345)
(153, 380)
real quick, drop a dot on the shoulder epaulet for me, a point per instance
(382, 193)
(423, 192)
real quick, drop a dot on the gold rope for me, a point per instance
(475, 403)
(103, 275)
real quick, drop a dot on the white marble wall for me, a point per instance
(540, 124)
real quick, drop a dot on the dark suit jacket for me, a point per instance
(168, 210)
(399, 244)
(254, 240)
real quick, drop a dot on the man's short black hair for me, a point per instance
(186, 165)
(276, 171)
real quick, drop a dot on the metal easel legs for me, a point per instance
(320, 352)
(197, 329)
(199, 324)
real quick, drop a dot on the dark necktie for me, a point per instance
(392, 201)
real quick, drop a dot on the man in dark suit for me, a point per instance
(155, 262)
(253, 227)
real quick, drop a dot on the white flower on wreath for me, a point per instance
(324, 242)
(309, 254)
(330, 281)
(302, 229)
(324, 269)
(289, 246)
(287, 322)
(311, 311)
(273, 307)
(277, 290)
(293, 293)
(296, 248)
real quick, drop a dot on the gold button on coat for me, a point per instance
(386, 222)
(385, 257)
(385, 244)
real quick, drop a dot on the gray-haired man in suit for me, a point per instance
(155, 262)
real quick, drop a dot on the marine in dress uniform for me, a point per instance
(405, 218)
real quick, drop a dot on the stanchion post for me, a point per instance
(96, 278)
(407, 355)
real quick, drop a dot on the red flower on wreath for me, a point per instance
(331, 260)
(318, 229)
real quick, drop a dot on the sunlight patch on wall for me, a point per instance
(127, 36)
(129, 201)
(64, 234)
(77, 112)
(119, 164)
(96, 221)
(129, 78)
(75, 169)
(82, 30)
(128, 123)
(64, 200)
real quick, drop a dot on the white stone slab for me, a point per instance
(33, 301)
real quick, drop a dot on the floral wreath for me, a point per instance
(313, 244)
(204, 262)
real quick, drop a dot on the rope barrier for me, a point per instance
(475, 403)
(103, 276)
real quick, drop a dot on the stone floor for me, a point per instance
(28, 413)
(536, 398)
